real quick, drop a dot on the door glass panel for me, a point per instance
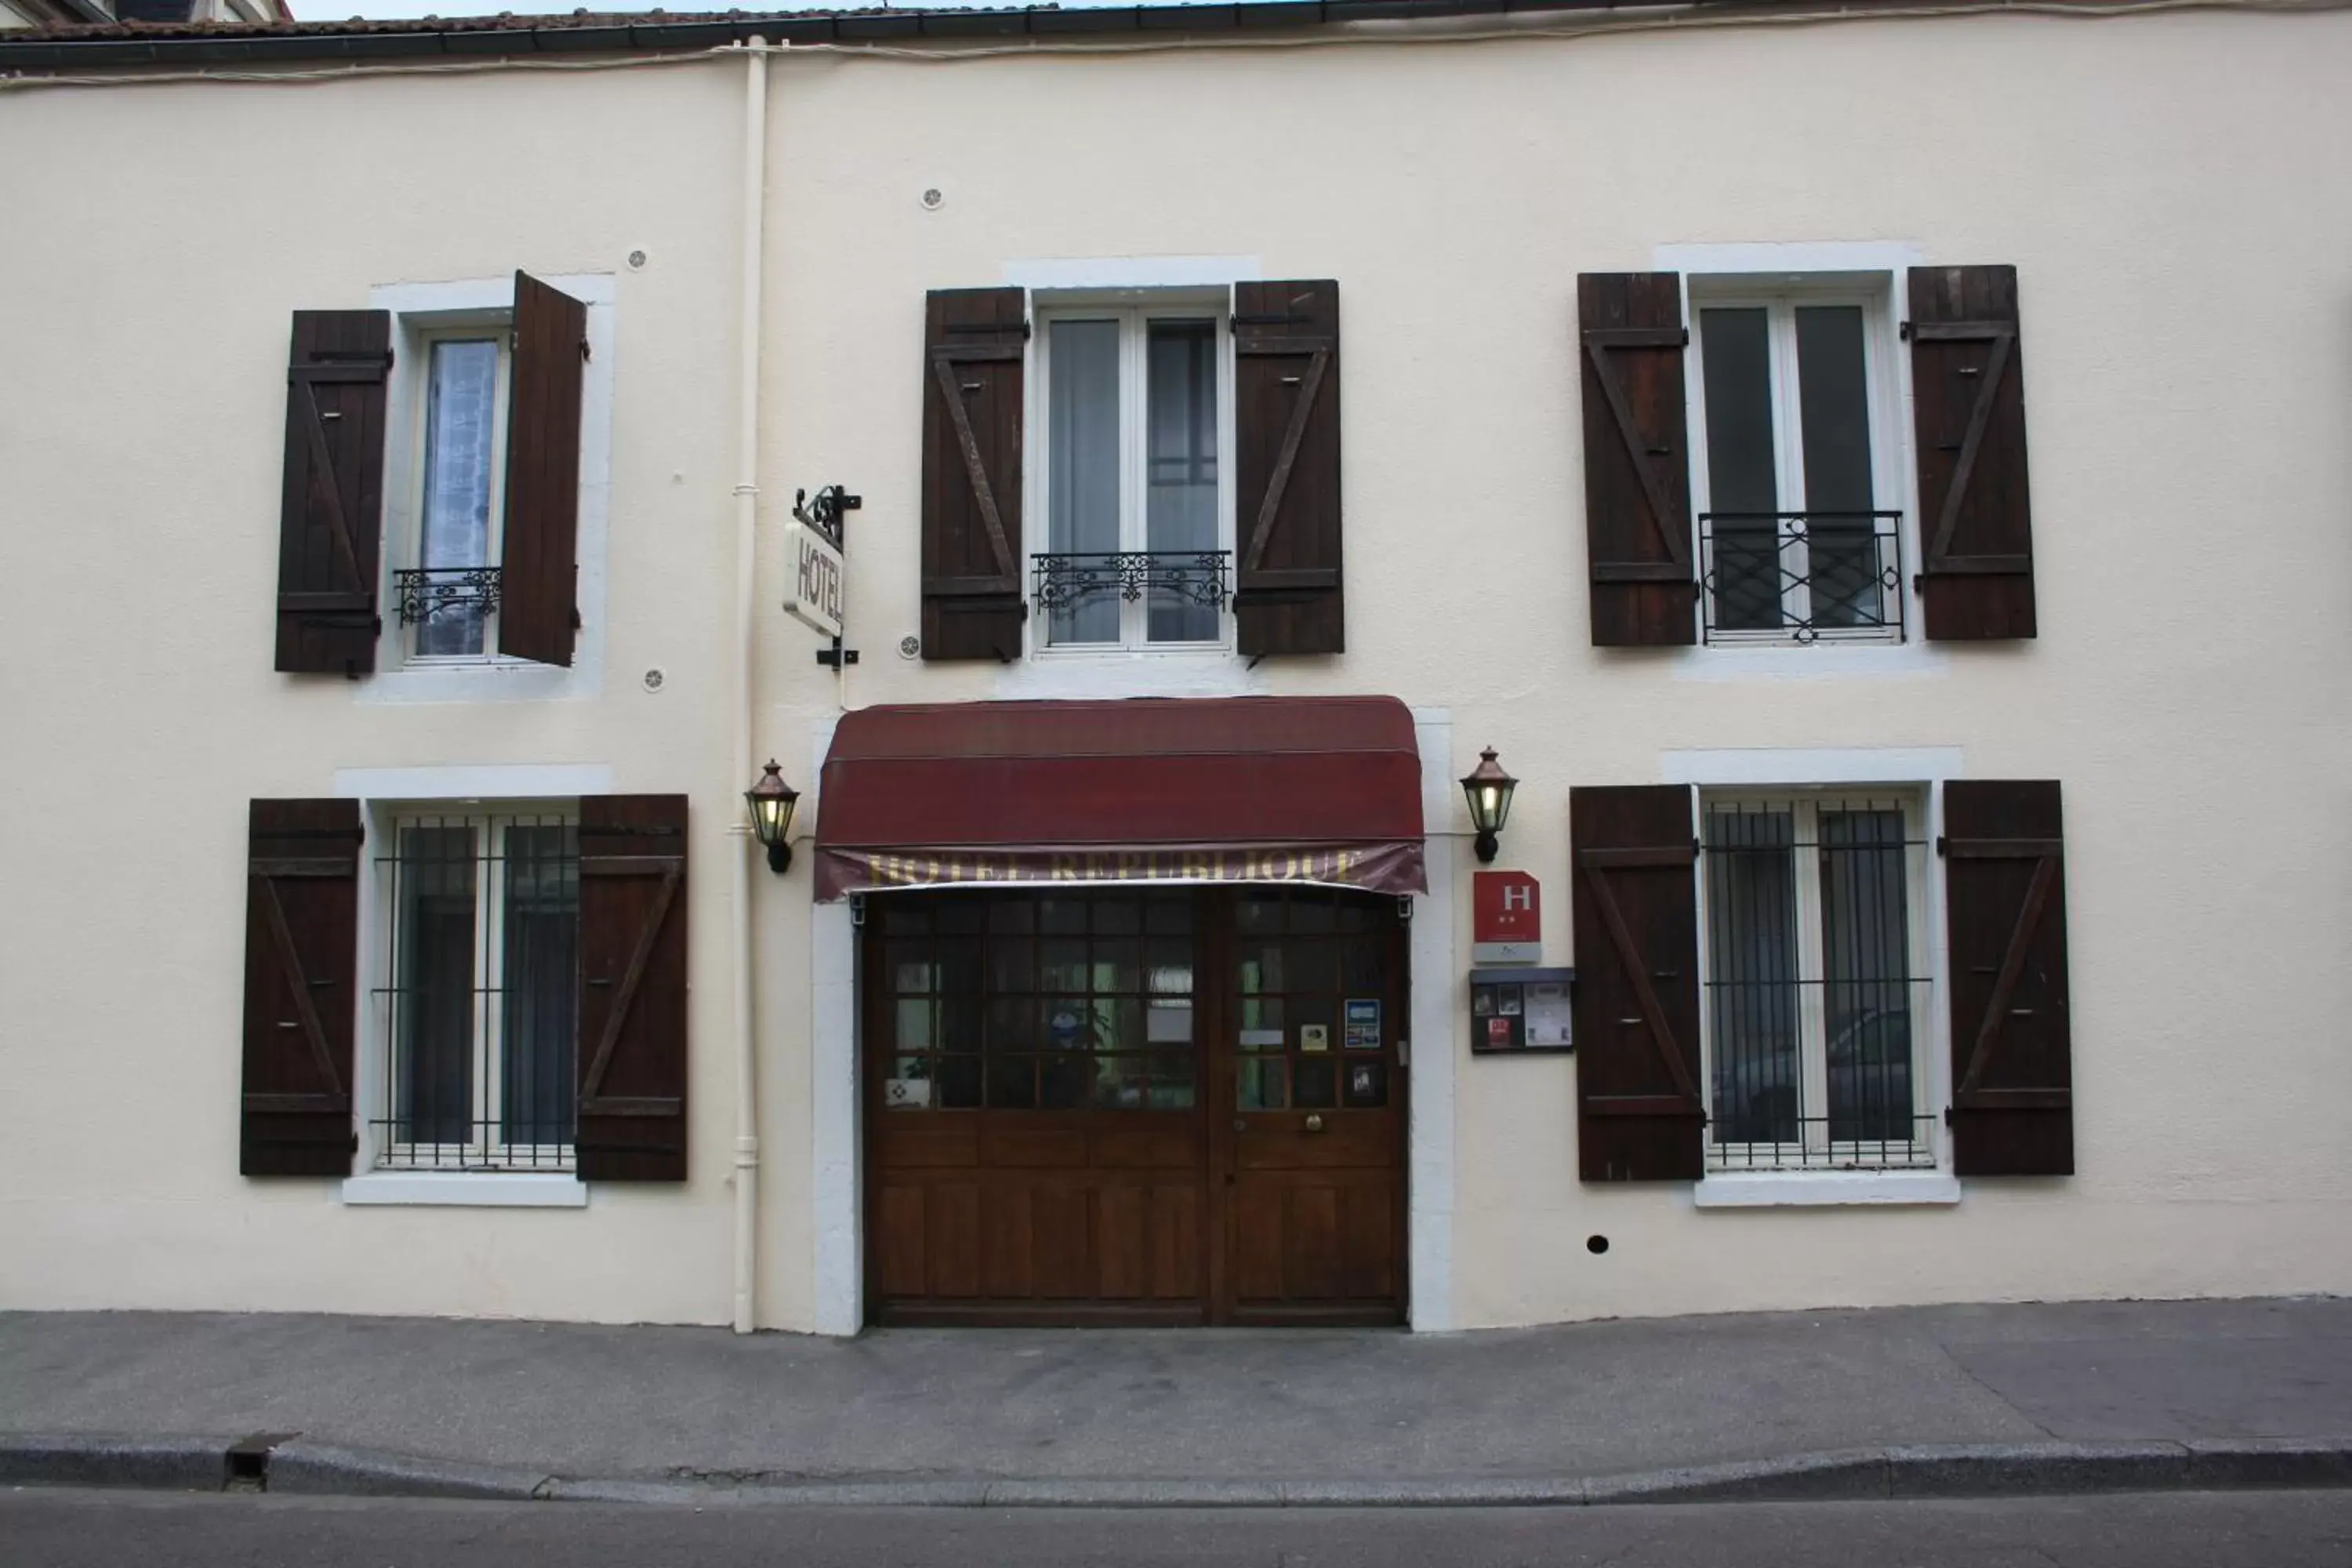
(1368, 1084)
(434, 1002)
(1742, 474)
(540, 983)
(1834, 410)
(1752, 975)
(1065, 1081)
(1180, 466)
(1012, 1024)
(1317, 1082)
(1173, 1080)
(1013, 1082)
(1082, 456)
(913, 1024)
(1865, 956)
(460, 430)
(1260, 1081)
(1120, 1083)
(958, 1081)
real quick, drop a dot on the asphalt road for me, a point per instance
(2232, 1530)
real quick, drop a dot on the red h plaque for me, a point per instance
(1507, 918)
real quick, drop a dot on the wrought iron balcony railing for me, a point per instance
(426, 592)
(1801, 576)
(1168, 577)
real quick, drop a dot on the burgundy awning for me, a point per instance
(1238, 789)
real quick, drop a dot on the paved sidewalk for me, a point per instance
(1195, 1406)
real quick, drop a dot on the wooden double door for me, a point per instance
(1180, 1106)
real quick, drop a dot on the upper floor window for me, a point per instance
(1137, 551)
(1799, 530)
(449, 597)
(1751, 444)
(1133, 469)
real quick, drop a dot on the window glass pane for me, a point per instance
(1866, 963)
(1835, 406)
(460, 429)
(1742, 475)
(433, 996)
(540, 984)
(1082, 458)
(1180, 465)
(1751, 979)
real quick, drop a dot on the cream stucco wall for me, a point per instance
(2160, 183)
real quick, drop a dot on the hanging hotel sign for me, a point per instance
(1378, 867)
(813, 558)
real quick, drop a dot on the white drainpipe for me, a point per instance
(747, 523)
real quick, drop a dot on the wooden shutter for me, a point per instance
(1634, 906)
(633, 988)
(1968, 397)
(1288, 592)
(1637, 518)
(974, 341)
(539, 569)
(2005, 907)
(302, 960)
(330, 513)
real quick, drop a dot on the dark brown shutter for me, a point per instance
(331, 514)
(1288, 592)
(1637, 520)
(1968, 396)
(633, 988)
(1634, 906)
(973, 346)
(301, 960)
(538, 561)
(2005, 904)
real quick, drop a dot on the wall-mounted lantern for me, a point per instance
(771, 801)
(1488, 789)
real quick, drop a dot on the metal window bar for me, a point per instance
(1815, 1002)
(1801, 576)
(1171, 576)
(479, 1013)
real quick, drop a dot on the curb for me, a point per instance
(287, 1463)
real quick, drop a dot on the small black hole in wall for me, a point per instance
(1596, 1245)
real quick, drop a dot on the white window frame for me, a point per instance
(500, 331)
(1135, 310)
(1780, 294)
(1815, 1154)
(485, 1154)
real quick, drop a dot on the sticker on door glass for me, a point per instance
(1364, 1024)
(1314, 1037)
(907, 1093)
(1261, 1040)
(1368, 1084)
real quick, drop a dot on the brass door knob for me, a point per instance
(1314, 1124)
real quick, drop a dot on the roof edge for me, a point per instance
(134, 45)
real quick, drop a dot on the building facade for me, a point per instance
(1808, 449)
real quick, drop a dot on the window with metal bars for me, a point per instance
(479, 1008)
(1814, 961)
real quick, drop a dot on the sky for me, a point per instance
(336, 10)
